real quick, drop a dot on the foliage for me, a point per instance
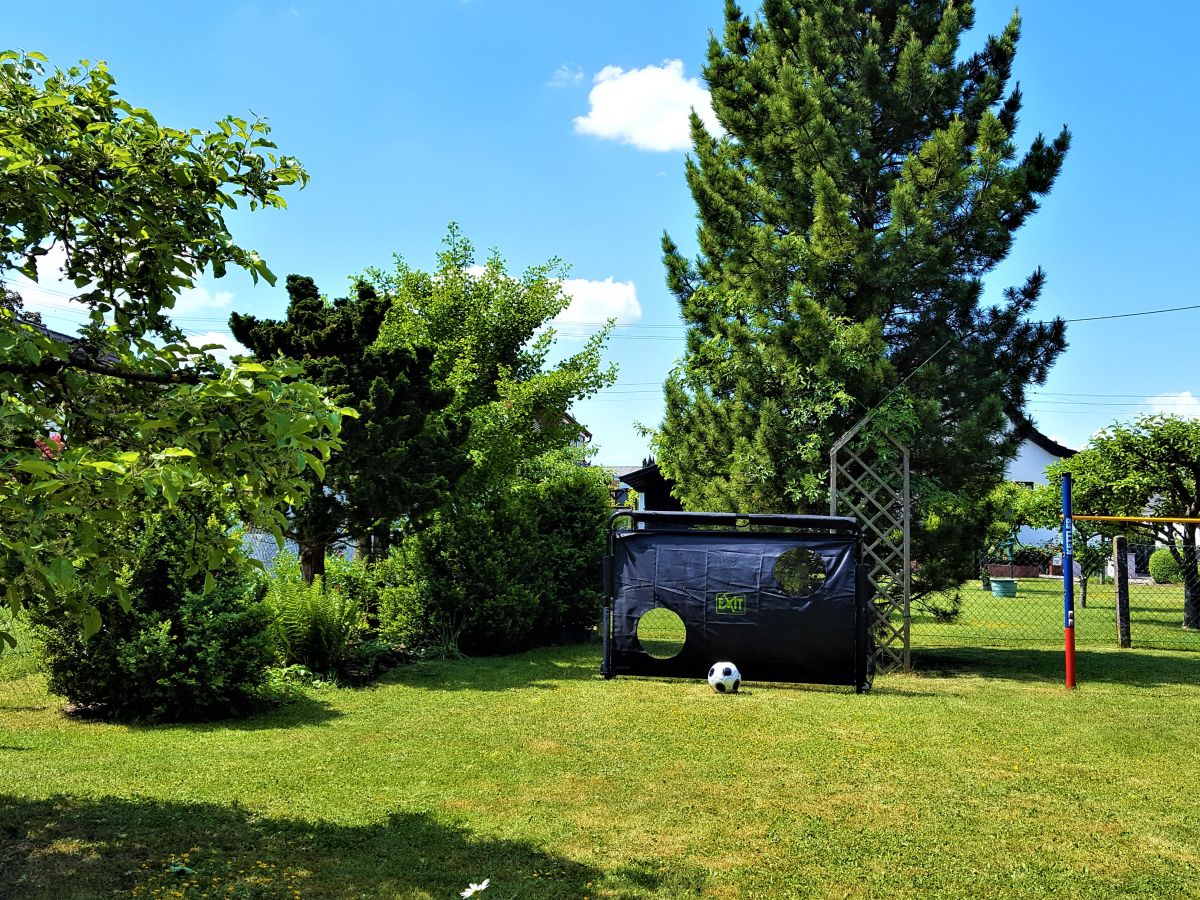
(512, 556)
(865, 182)
(179, 651)
(492, 341)
(519, 570)
(1147, 468)
(313, 623)
(1025, 555)
(22, 657)
(399, 457)
(1164, 567)
(137, 211)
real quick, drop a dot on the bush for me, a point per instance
(1164, 568)
(1032, 556)
(517, 570)
(313, 624)
(177, 653)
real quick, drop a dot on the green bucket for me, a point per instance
(1004, 587)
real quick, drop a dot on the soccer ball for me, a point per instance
(724, 678)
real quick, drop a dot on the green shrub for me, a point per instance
(313, 624)
(1032, 556)
(1164, 568)
(518, 569)
(177, 653)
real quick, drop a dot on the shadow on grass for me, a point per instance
(69, 847)
(301, 710)
(540, 669)
(297, 712)
(1127, 667)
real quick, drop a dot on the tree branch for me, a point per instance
(77, 360)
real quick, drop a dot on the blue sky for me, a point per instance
(553, 130)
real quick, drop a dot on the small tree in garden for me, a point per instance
(1042, 508)
(1150, 467)
(137, 211)
(510, 557)
(402, 454)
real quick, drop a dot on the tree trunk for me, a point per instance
(1191, 579)
(1083, 581)
(381, 545)
(362, 548)
(312, 561)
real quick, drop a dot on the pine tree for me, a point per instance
(865, 183)
(400, 457)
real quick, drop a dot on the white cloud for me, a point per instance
(647, 107)
(566, 76)
(595, 302)
(196, 300)
(230, 346)
(1183, 403)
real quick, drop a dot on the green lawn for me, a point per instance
(1035, 616)
(980, 777)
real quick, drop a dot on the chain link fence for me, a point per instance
(1017, 599)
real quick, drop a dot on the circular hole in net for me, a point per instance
(661, 633)
(800, 571)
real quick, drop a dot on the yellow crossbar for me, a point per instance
(1182, 521)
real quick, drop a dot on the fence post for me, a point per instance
(1121, 573)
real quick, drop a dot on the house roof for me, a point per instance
(48, 332)
(620, 471)
(642, 477)
(569, 419)
(1027, 431)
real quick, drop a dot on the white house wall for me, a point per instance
(1029, 466)
(1030, 463)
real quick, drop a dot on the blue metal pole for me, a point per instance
(1068, 562)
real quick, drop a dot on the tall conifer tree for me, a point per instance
(865, 183)
(403, 453)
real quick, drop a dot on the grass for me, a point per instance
(1035, 616)
(21, 660)
(980, 777)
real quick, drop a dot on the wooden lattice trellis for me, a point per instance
(875, 490)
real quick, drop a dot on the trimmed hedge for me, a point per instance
(1164, 568)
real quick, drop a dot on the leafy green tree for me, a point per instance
(400, 457)
(492, 343)
(137, 210)
(865, 182)
(1150, 467)
(1091, 540)
(509, 558)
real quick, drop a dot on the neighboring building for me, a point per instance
(1035, 453)
(654, 490)
(621, 488)
(1028, 468)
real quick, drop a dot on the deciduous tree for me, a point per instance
(137, 210)
(1150, 467)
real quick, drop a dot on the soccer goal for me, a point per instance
(784, 597)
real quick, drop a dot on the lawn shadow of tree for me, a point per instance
(541, 669)
(1124, 667)
(72, 847)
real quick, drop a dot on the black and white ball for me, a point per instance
(724, 678)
